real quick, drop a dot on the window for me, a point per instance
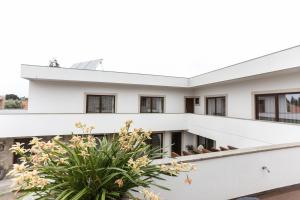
(216, 106)
(152, 105)
(205, 142)
(156, 141)
(197, 101)
(284, 107)
(100, 104)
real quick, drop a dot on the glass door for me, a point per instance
(176, 142)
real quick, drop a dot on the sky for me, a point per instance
(167, 37)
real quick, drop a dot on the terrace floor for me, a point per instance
(287, 193)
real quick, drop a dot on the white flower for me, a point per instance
(149, 195)
(175, 168)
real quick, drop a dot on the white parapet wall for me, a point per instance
(235, 173)
(22, 125)
(242, 132)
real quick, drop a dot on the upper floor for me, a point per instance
(264, 88)
(273, 97)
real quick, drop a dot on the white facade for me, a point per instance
(51, 96)
(58, 99)
(240, 93)
(56, 93)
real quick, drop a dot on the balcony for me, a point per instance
(21, 125)
(241, 133)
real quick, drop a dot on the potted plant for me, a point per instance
(90, 168)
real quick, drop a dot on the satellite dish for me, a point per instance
(89, 65)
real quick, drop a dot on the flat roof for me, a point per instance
(283, 60)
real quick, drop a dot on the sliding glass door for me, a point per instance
(216, 106)
(284, 107)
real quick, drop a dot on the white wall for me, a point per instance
(242, 133)
(188, 139)
(226, 131)
(167, 141)
(22, 125)
(69, 97)
(33, 72)
(282, 60)
(240, 95)
(219, 178)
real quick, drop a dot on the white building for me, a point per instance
(253, 104)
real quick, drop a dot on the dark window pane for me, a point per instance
(157, 104)
(220, 106)
(211, 106)
(93, 104)
(261, 104)
(176, 142)
(145, 104)
(206, 142)
(156, 140)
(107, 104)
(289, 108)
(266, 108)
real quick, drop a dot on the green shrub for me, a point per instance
(89, 168)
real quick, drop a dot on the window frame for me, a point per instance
(276, 95)
(215, 99)
(100, 102)
(151, 103)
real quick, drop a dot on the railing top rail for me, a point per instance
(229, 153)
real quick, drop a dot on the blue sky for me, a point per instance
(180, 38)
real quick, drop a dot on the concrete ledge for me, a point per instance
(229, 153)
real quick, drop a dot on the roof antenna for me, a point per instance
(53, 63)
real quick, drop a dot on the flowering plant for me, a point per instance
(90, 168)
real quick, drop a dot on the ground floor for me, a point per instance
(175, 143)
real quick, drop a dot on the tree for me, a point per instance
(13, 104)
(12, 97)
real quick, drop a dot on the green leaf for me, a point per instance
(80, 194)
(103, 196)
(62, 194)
(67, 195)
